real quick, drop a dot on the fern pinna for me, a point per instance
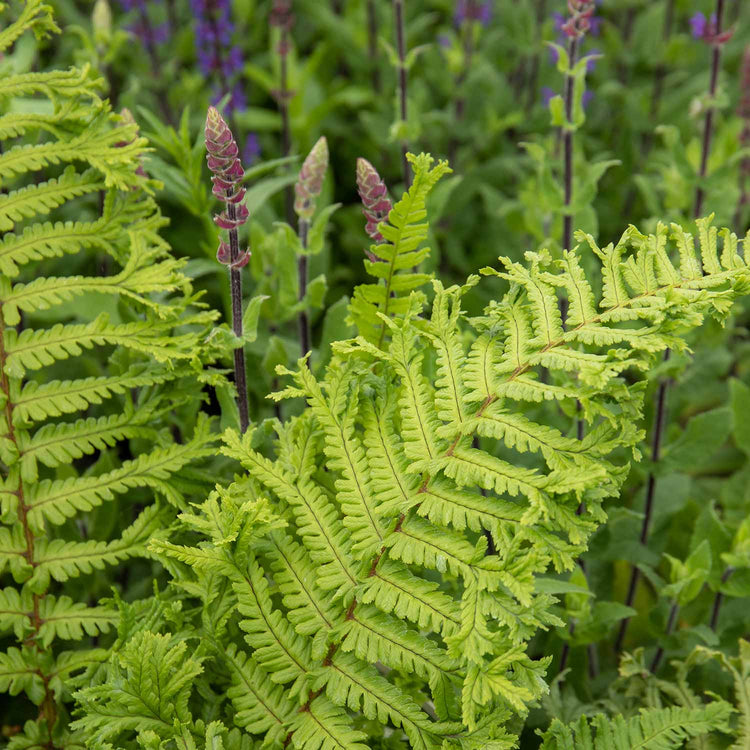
(346, 595)
(87, 363)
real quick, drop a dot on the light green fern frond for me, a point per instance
(404, 233)
(653, 729)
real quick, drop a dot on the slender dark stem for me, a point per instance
(709, 118)
(235, 285)
(467, 41)
(656, 661)
(372, 44)
(541, 13)
(286, 131)
(657, 436)
(304, 320)
(565, 652)
(661, 71)
(398, 17)
(719, 598)
(337, 7)
(568, 149)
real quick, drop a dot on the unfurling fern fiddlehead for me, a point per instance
(344, 589)
(89, 205)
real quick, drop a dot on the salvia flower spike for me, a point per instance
(223, 161)
(376, 205)
(222, 155)
(310, 180)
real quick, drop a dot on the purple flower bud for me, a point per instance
(376, 205)
(310, 181)
(547, 95)
(227, 170)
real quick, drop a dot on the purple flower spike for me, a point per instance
(310, 181)
(472, 10)
(547, 95)
(376, 205)
(223, 161)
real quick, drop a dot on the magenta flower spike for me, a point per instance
(310, 180)
(376, 205)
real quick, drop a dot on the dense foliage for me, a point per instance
(351, 480)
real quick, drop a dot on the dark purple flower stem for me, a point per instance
(541, 12)
(398, 19)
(372, 44)
(672, 619)
(657, 436)
(235, 286)
(304, 319)
(661, 70)
(286, 131)
(719, 598)
(709, 118)
(467, 42)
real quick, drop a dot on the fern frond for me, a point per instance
(392, 587)
(374, 636)
(653, 729)
(60, 499)
(148, 689)
(261, 705)
(358, 686)
(62, 560)
(40, 199)
(56, 444)
(404, 232)
(309, 609)
(97, 146)
(39, 401)
(315, 516)
(282, 653)
(346, 456)
(324, 726)
(32, 350)
(142, 276)
(36, 16)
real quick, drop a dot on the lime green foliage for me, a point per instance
(654, 729)
(95, 213)
(352, 558)
(398, 256)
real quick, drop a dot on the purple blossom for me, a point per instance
(149, 33)
(698, 23)
(706, 29)
(444, 41)
(215, 52)
(472, 10)
(251, 152)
